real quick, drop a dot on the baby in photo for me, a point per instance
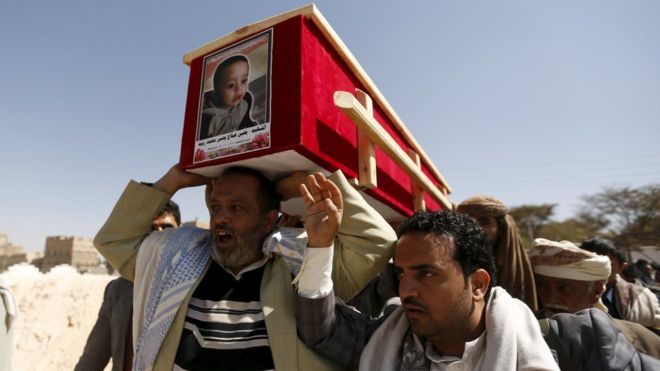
(227, 107)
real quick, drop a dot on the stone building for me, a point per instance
(197, 223)
(78, 252)
(10, 254)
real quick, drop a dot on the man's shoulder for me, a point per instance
(186, 234)
(170, 241)
(584, 324)
(500, 297)
(189, 229)
(119, 284)
(620, 284)
(631, 327)
(632, 291)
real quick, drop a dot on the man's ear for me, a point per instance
(271, 218)
(599, 288)
(479, 279)
(208, 194)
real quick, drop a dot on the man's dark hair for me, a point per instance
(267, 195)
(471, 247)
(217, 75)
(603, 246)
(631, 273)
(172, 208)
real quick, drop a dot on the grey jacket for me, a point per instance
(589, 340)
(112, 329)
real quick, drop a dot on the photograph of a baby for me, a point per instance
(234, 106)
(227, 107)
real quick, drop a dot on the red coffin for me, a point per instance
(288, 121)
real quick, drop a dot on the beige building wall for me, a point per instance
(10, 254)
(78, 252)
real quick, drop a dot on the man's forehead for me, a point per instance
(243, 188)
(165, 215)
(423, 248)
(557, 280)
(238, 180)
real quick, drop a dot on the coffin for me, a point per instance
(285, 94)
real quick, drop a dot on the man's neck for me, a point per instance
(612, 282)
(237, 268)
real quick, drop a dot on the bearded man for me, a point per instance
(571, 281)
(514, 271)
(223, 298)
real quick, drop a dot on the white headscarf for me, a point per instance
(565, 260)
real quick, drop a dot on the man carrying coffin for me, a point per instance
(223, 298)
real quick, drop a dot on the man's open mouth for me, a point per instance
(223, 235)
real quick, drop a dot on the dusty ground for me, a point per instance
(56, 311)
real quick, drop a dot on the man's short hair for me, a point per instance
(471, 247)
(603, 246)
(172, 208)
(267, 195)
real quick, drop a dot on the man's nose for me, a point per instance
(407, 288)
(221, 216)
(550, 295)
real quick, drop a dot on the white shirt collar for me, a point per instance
(250, 267)
(471, 347)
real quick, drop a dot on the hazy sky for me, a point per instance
(529, 101)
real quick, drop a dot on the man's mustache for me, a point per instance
(224, 227)
(413, 302)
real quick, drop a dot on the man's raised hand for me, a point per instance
(325, 207)
(177, 178)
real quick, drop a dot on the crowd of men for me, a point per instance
(450, 290)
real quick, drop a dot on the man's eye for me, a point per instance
(238, 208)
(426, 274)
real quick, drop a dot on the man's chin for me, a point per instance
(224, 247)
(233, 258)
(417, 326)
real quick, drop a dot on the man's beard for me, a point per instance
(247, 250)
(454, 323)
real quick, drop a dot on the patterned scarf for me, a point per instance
(184, 256)
(412, 355)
